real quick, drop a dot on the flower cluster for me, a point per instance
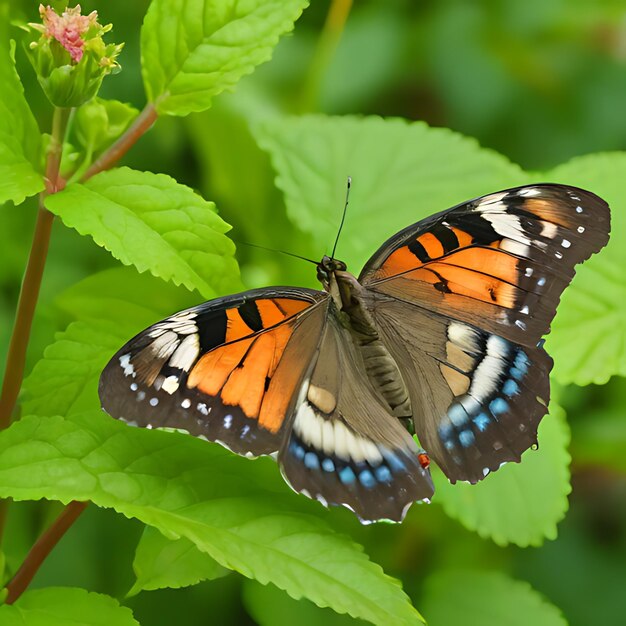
(70, 56)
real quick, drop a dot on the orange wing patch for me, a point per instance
(242, 371)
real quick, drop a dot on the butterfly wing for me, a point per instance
(227, 370)
(499, 262)
(462, 300)
(344, 445)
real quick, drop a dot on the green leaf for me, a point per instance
(19, 136)
(123, 294)
(588, 338)
(65, 380)
(193, 51)
(477, 598)
(521, 503)
(401, 172)
(269, 606)
(160, 563)
(154, 223)
(236, 518)
(62, 606)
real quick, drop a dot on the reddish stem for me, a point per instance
(42, 548)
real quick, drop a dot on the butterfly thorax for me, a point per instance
(350, 305)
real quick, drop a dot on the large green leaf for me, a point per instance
(401, 172)
(19, 135)
(478, 598)
(588, 338)
(242, 516)
(192, 51)
(65, 606)
(154, 223)
(521, 503)
(161, 562)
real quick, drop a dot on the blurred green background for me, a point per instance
(538, 81)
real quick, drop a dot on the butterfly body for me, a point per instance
(439, 335)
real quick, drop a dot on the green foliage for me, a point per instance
(254, 530)
(19, 136)
(510, 507)
(417, 171)
(588, 339)
(477, 598)
(160, 563)
(61, 606)
(217, 42)
(154, 223)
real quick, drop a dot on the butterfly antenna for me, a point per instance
(343, 217)
(296, 256)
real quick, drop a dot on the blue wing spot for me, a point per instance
(366, 478)
(445, 431)
(395, 463)
(516, 373)
(311, 461)
(521, 361)
(466, 437)
(510, 387)
(448, 445)
(457, 415)
(383, 474)
(346, 475)
(328, 465)
(498, 406)
(482, 421)
(297, 450)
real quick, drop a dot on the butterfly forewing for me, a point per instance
(226, 370)
(499, 262)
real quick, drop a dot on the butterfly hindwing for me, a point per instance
(499, 262)
(345, 447)
(225, 370)
(477, 397)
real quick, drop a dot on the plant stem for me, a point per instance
(43, 546)
(29, 292)
(141, 124)
(324, 52)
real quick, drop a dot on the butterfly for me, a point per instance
(440, 336)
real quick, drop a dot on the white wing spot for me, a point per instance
(141, 395)
(154, 401)
(133, 387)
(524, 309)
(170, 384)
(228, 421)
(127, 366)
(541, 282)
(202, 407)
(579, 209)
(581, 229)
(186, 403)
(529, 272)
(565, 243)
(528, 192)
